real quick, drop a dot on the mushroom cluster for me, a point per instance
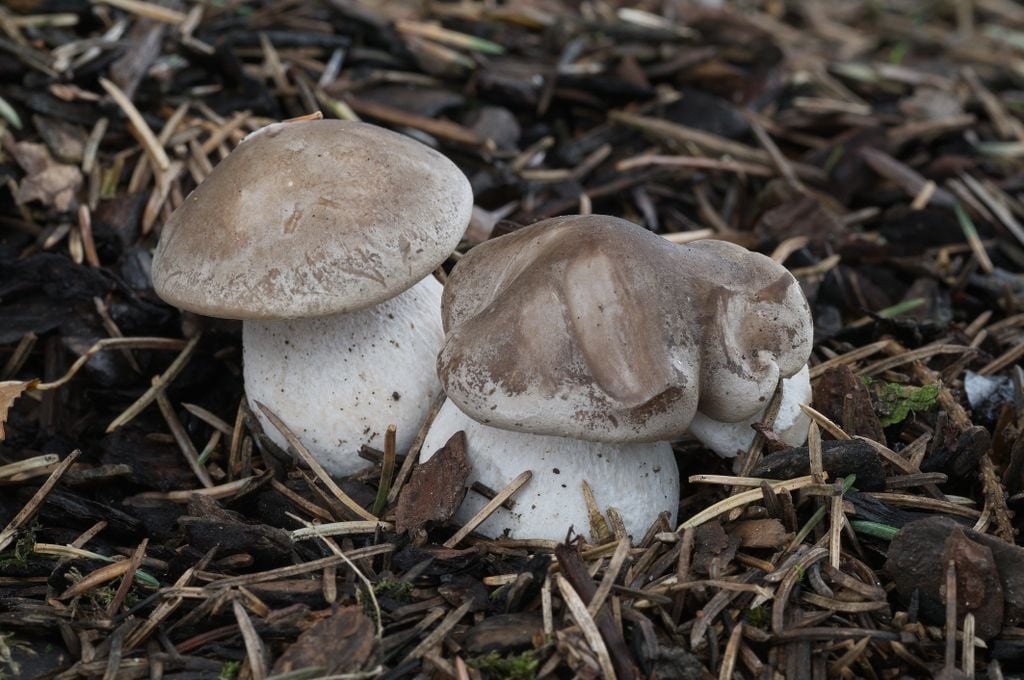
(322, 236)
(577, 347)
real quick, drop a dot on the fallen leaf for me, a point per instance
(978, 589)
(760, 533)
(436, 488)
(9, 391)
(990, 573)
(845, 399)
(47, 180)
(65, 140)
(712, 543)
(341, 643)
(788, 213)
(772, 441)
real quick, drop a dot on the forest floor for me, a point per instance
(150, 529)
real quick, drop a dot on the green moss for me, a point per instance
(516, 667)
(18, 556)
(894, 402)
(394, 588)
(230, 670)
(759, 617)
(899, 52)
(101, 597)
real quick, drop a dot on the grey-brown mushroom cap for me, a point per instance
(310, 219)
(592, 327)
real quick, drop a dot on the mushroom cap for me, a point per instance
(309, 219)
(594, 328)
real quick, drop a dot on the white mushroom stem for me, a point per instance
(791, 424)
(338, 381)
(638, 480)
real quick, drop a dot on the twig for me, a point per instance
(492, 505)
(159, 384)
(30, 508)
(148, 10)
(255, 650)
(27, 465)
(386, 471)
(438, 634)
(303, 453)
(341, 529)
(586, 623)
(743, 498)
(995, 499)
(149, 142)
(106, 344)
(185, 445)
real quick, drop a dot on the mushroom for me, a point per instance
(790, 424)
(588, 335)
(639, 479)
(321, 237)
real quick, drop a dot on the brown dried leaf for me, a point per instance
(841, 396)
(760, 533)
(341, 643)
(436, 488)
(47, 180)
(772, 441)
(65, 140)
(9, 391)
(789, 214)
(990, 573)
(711, 543)
(978, 587)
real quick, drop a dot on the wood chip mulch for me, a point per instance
(148, 528)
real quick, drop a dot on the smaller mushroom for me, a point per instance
(638, 479)
(322, 236)
(593, 342)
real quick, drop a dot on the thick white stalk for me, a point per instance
(338, 381)
(638, 480)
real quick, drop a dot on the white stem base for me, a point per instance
(791, 424)
(638, 480)
(338, 381)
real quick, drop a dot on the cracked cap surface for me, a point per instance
(309, 219)
(592, 327)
